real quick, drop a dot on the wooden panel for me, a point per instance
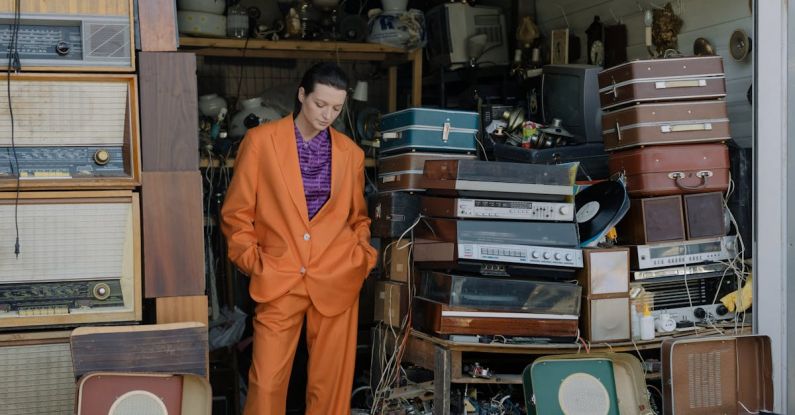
(169, 119)
(95, 7)
(181, 309)
(157, 25)
(171, 348)
(172, 234)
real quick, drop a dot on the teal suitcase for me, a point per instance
(429, 129)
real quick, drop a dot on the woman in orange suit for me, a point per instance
(296, 222)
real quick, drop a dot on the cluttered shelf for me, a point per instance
(304, 49)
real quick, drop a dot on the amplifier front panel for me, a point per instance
(85, 35)
(78, 262)
(70, 131)
(38, 379)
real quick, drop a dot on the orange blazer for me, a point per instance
(267, 227)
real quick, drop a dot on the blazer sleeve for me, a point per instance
(237, 213)
(358, 218)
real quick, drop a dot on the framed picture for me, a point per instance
(559, 52)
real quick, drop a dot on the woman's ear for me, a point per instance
(301, 94)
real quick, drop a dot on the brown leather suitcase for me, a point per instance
(404, 171)
(649, 80)
(666, 123)
(673, 169)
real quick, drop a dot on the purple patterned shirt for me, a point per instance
(314, 158)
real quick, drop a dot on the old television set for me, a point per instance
(461, 35)
(571, 93)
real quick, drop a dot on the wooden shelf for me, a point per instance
(304, 49)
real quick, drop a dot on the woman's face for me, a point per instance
(322, 106)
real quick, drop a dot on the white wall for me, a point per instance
(714, 20)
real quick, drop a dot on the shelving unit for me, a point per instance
(445, 358)
(331, 50)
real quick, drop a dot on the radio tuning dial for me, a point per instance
(62, 48)
(699, 313)
(102, 157)
(101, 291)
(721, 310)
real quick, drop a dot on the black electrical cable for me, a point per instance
(15, 65)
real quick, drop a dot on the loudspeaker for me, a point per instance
(106, 393)
(653, 219)
(704, 215)
(605, 300)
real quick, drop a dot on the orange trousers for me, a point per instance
(331, 342)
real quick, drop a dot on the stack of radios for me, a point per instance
(69, 164)
(665, 123)
(476, 223)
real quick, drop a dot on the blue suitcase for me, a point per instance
(427, 129)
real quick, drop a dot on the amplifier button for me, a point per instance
(102, 157)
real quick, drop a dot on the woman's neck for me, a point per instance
(307, 131)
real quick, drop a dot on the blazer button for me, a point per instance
(306, 236)
(302, 270)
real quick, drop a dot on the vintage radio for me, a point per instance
(653, 219)
(693, 298)
(78, 262)
(496, 209)
(717, 375)
(70, 132)
(668, 254)
(436, 252)
(38, 377)
(393, 213)
(112, 393)
(500, 180)
(679, 271)
(488, 293)
(86, 35)
(605, 299)
(441, 319)
(704, 215)
(404, 171)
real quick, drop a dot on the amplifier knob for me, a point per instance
(535, 254)
(557, 257)
(62, 48)
(102, 157)
(564, 210)
(721, 310)
(547, 255)
(568, 257)
(101, 291)
(699, 313)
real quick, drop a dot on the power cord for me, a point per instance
(15, 65)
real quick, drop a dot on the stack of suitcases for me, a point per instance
(665, 124)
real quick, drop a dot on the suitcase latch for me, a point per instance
(445, 132)
(394, 135)
(669, 128)
(695, 83)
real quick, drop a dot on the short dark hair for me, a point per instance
(326, 73)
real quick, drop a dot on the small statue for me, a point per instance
(665, 29)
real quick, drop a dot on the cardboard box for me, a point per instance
(391, 302)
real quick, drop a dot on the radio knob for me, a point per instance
(547, 255)
(557, 257)
(721, 310)
(564, 210)
(568, 257)
(699, 313)
(101, 291)
(102, 157)
(62, 48)
(535, 254)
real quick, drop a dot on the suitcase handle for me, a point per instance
(395, 135)
(676, 176)
(668, 128)
(445, 132)
(680, 84)
(618, 132)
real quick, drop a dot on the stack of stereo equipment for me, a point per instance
(409, 138)
(665, 123)
(69, 165)
(498, 248)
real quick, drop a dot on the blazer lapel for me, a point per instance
(287, 153)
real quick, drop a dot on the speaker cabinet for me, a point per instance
(653, 219)
(605, 300)
(704, 215)
(106, 393)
